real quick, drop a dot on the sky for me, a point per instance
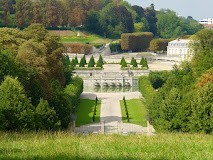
(198, 9)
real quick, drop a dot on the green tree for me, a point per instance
(82, 62)
(16, 110)
(99, 63)
(91, 62)
(132, 61)
(202, 51)
(135, 64)
(123, 59)
(123, 64)
(202, 110)
(45, 116)
(151, 18)
(76, 60)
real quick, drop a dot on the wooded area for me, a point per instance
(108, 18)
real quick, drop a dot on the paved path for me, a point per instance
(111, 113)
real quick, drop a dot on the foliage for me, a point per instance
(170, 25)
(136, 41)
(202, 51)
(135, 64)
(45, 116)
(159, 45)
(145, 87)
(16, 110)
(116, 19)
(78, 48)
(91, 62)
(82, 62)
(115, 47)
(123, 63)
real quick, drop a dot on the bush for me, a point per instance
(16, 110)
(124, 64)
(136, 41)
(115, 47)
(159, 45)
(91, 62)
(135, 64)
(145, 87)
(46, 118)
(78, 48)
(83, 62)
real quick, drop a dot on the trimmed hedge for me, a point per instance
(159, 45)
(78, 48)
(136, 41)
(145, 87)
(115, 47)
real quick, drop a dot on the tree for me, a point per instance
(132, 61)
(135, 64)
(82, 61)
(100, 62)
(45, 116)
(151, 18)
(116, 19)
(16, 110)
(123, 64)
(202, 51)
(123, 59)
(91, 62)
(76, 60)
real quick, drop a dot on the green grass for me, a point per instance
(137, 112)
(62, 146)
(84, 112)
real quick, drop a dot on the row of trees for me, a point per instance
(36, 90)
(109, 18)
(183, 100)
(143, 63)
(91, 63)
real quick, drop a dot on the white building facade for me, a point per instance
(179, 48)
(206, 21)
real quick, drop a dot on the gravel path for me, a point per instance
(111, 112)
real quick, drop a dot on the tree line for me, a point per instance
(181, 100)
(37, 90)
(108, 18)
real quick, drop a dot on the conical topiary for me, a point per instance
(91, 62)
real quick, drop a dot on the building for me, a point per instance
(179, 48)
(207, 23)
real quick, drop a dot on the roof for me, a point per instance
(180, 41)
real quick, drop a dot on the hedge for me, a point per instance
(145, 87)
(159, 45)
(136, 41)
(78, 48)
(115, 47)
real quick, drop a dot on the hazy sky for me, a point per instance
(198, 9)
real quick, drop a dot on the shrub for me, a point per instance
(135, 64)
(91, 62)
(46, 118)
(78, 48)
(159, 45)
(16, 110)
(115, 47)
(124, 64)
(136, 41)
(83, 62)
(132, 61)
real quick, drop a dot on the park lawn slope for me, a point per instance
(85, 110)
(62, 146)
(137, 112)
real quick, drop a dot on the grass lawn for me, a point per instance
(65, 146)
(84, 112)
(137, 111)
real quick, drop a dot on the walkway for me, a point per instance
(111, 114)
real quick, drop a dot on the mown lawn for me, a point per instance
(84, 112)
(137, 112)
(62, 146)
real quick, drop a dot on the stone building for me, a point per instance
(179, 48)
